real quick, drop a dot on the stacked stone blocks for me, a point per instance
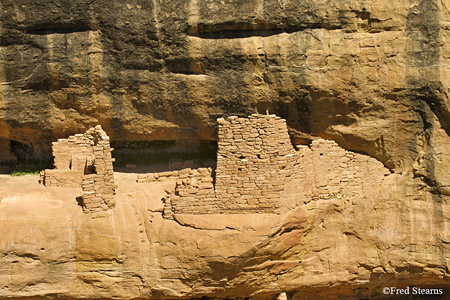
(158, 177)
(193, 194)
(71, 156)
(98, 189)
(259, 171)
(84, 160)
(255, 160)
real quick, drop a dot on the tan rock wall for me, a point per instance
(84, 160)
(254, 158)
(98, 189)
(194, 194)
(71, 153)
(71, 158)
(349, 71)
(5, 149)
(258, 171)
(371, 75)
(336, 248)
(326, 171)
(153, 177)
(61, 178)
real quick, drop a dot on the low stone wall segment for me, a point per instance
(259, 171)
(84, 160)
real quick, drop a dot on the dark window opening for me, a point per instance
(90, 169)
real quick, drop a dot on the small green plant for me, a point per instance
(27, 167)
(19, 173)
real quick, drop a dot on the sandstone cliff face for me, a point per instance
(371, 75)
(389, 231)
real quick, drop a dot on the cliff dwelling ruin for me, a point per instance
(259, 171)
(343, 191)
(84, 160)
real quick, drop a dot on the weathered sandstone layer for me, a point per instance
(348, 247)
(372, 76)
(322, 222)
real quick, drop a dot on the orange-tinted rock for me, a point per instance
(366, 79)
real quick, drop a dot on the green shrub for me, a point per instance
(27, 167)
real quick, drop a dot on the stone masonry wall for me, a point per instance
(255, 160)
(71, 158)
(193, 194)
(259, 171)
(152, 177)
(84, 160)
(98, 189)
(326, 171)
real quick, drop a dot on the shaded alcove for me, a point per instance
(159, 156)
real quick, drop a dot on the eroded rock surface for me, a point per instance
(329, 247)
(371, 75)
(327, 223)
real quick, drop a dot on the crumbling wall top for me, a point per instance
(84, 160)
